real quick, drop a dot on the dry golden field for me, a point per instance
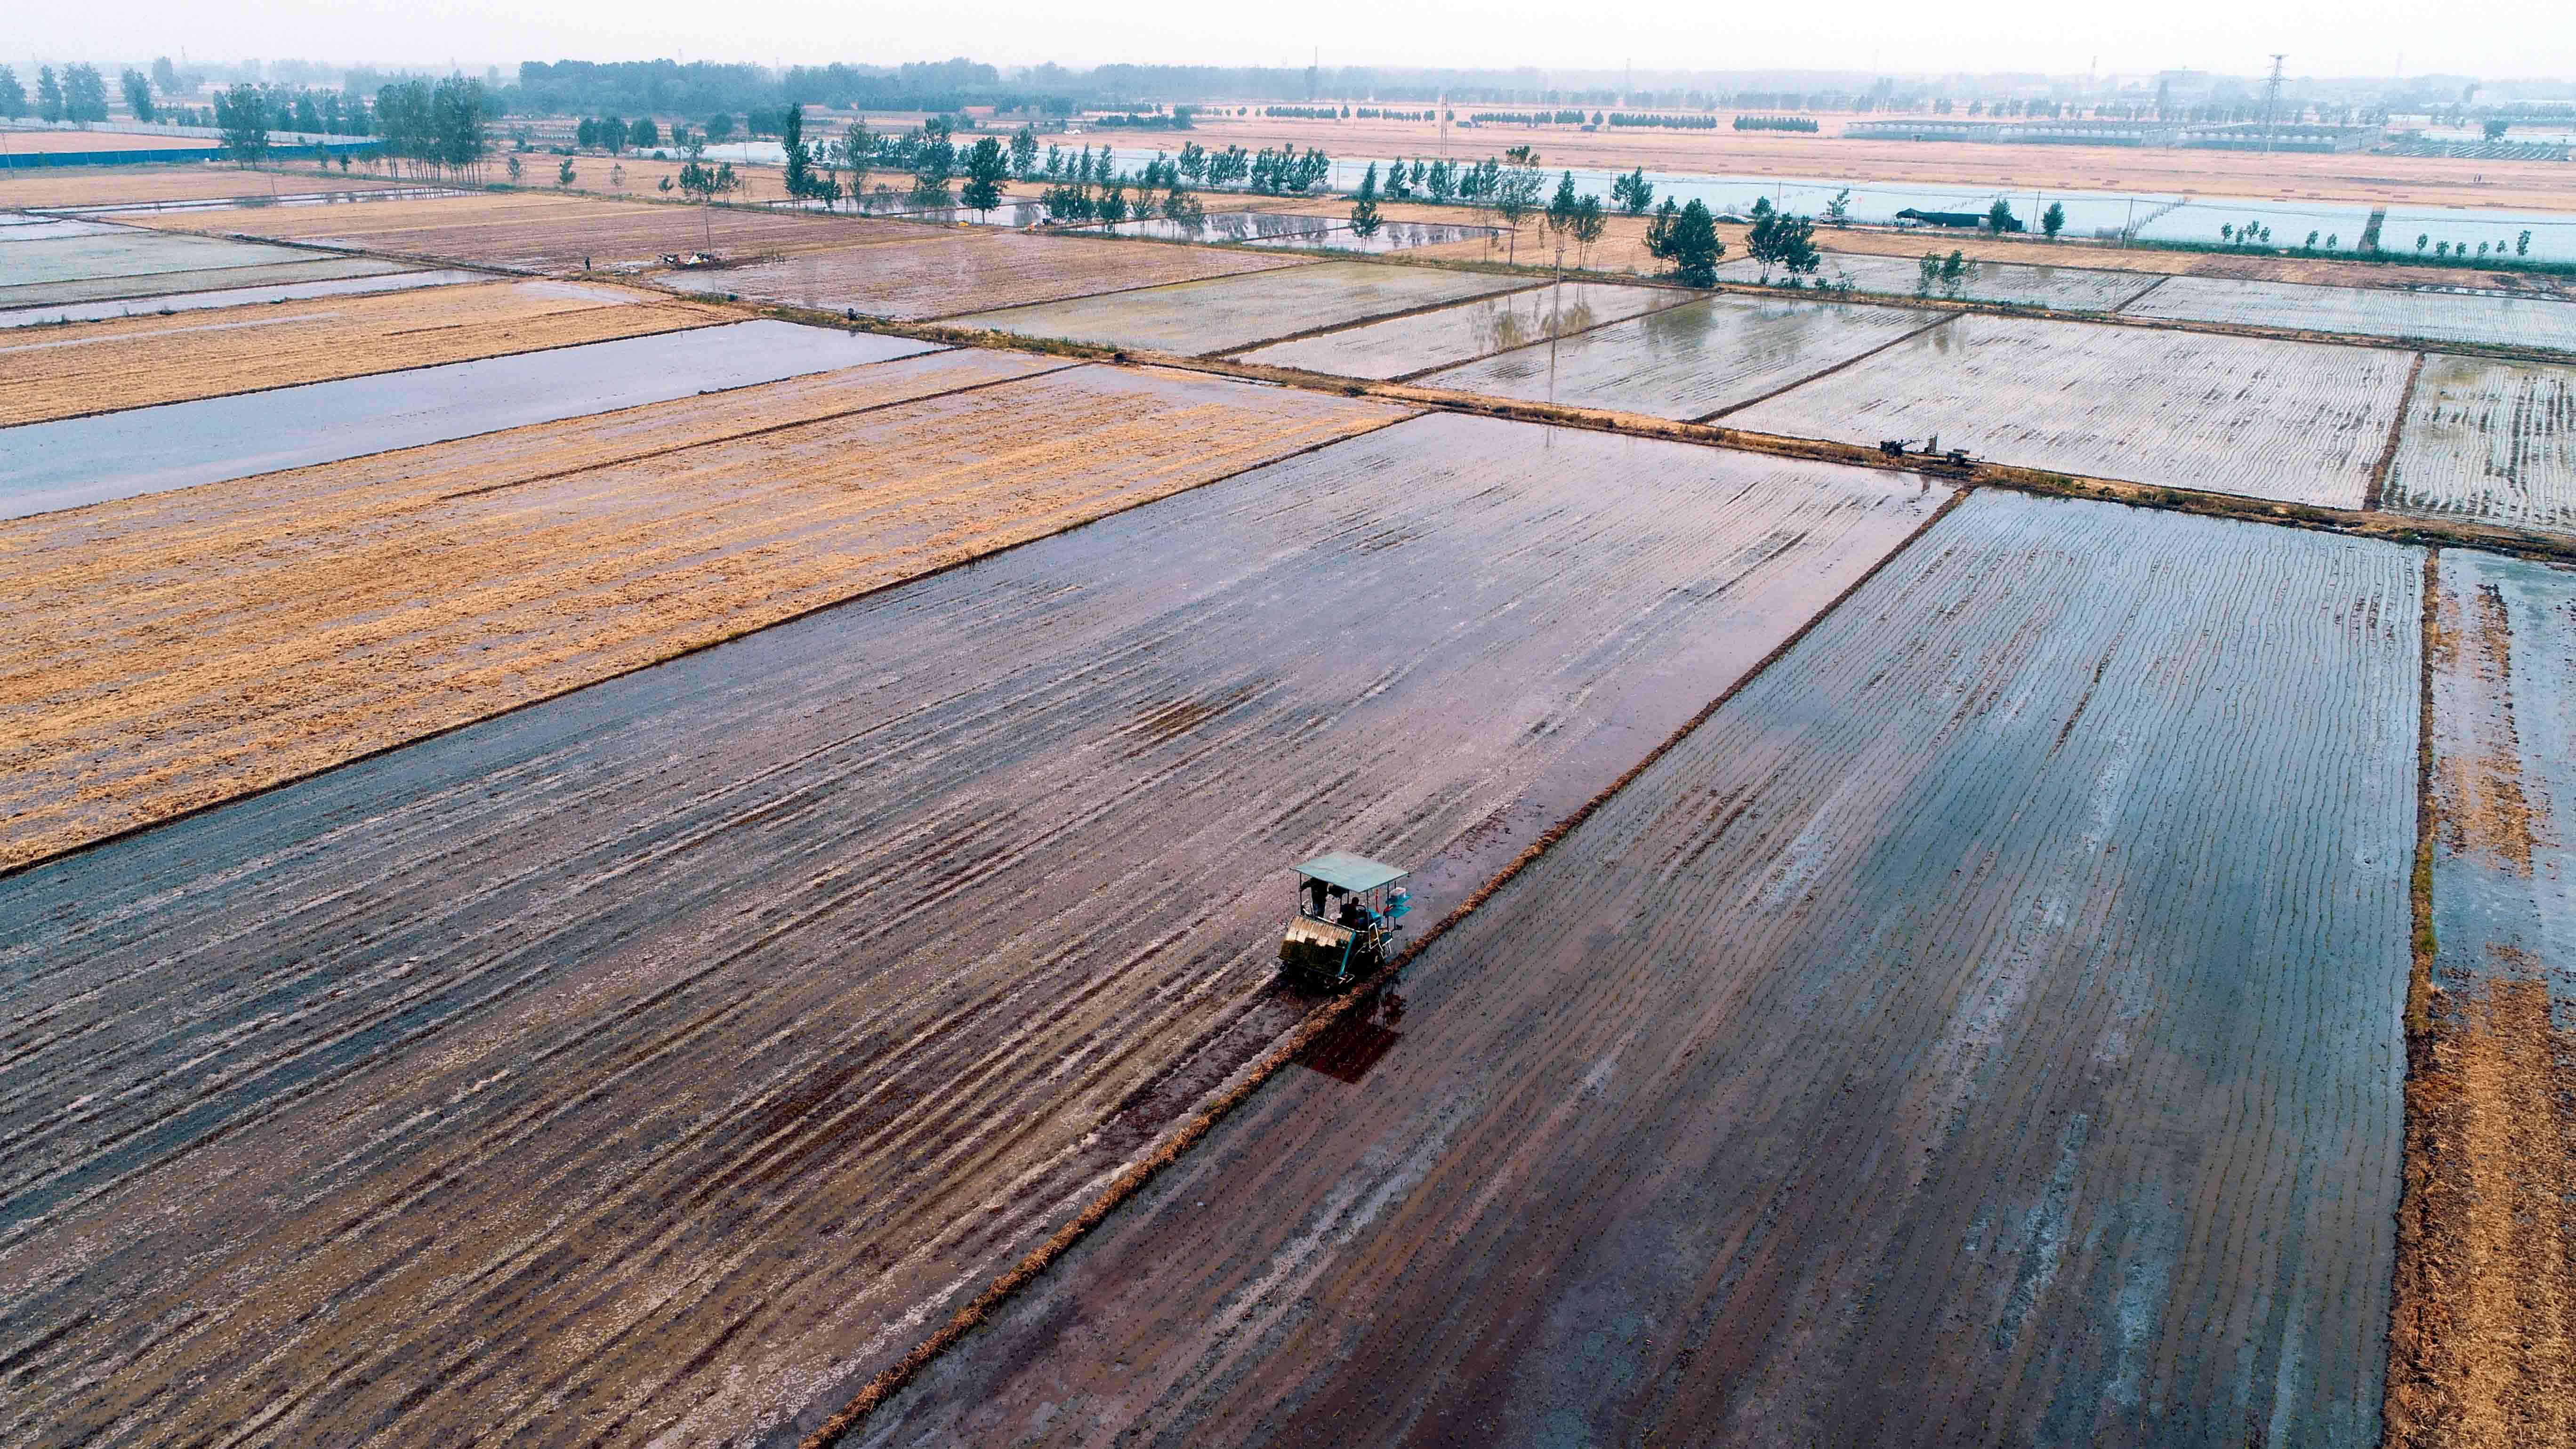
(93, 367)
(48, 143)
(44, 186)
(178, 649)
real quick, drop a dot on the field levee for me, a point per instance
(1984, 1029)
(660, 1059)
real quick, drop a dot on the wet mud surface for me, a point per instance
(127, 252)
(2485, 1326)
(1977, 1032)
(2298, 421)
(48, 466)
(1458, 334)
(2074, 289)
(2489, 441)
(182, 649)
(316, 266)
(379, 278)
(131, 362)
(1689, 362)
(1222, 315)
(664, 1058)
(2433, 316)
(928, 272)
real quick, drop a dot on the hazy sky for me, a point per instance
(2323, 37)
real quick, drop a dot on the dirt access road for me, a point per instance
(1973, 1034)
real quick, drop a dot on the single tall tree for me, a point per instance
(2053, 221)
(84, 93)
(1515, 193)
(13, 96)
(49, 94)
(1692, 245)
(1024, 152)
(242, 115)
(987, 167)
(1364, 218)
(1633, 192)
(858, 149)
(138, 95)
(1591, 219)
(800, 162)
(1781, 240)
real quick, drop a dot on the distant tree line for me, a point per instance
(1528, 118)
(1677, 123)
(1774, 123)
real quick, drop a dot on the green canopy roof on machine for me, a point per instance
(1351, 872)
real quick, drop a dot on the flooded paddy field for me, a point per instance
(532, 232)
(1469, 330)
(1225, 314)
(933, 273)
(78, 461)
(90, 367)
(1231, 226)
(184, 648)
(2303, 422)
(660, 1059)
(1973, 1034)
(314, 267)
(74, 187)
(380, 277)
(1692, 361)
(20, 227)
(129, 252)
(2490, 441)
(2366, 311)
(2486, 1286)
(2073, 289)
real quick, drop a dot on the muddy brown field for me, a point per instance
(1972, 1034)
(942, 271)
(180, 649)
(660, 1059)
(2484, 1351)
(132, 362)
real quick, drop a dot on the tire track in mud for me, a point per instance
(659, 1060)
(1983, 1030)
(2483, 1351)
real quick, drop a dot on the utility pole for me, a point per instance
(2271, 101)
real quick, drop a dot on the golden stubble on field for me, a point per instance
(42, 186)
(92, 367)
(180, 649)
